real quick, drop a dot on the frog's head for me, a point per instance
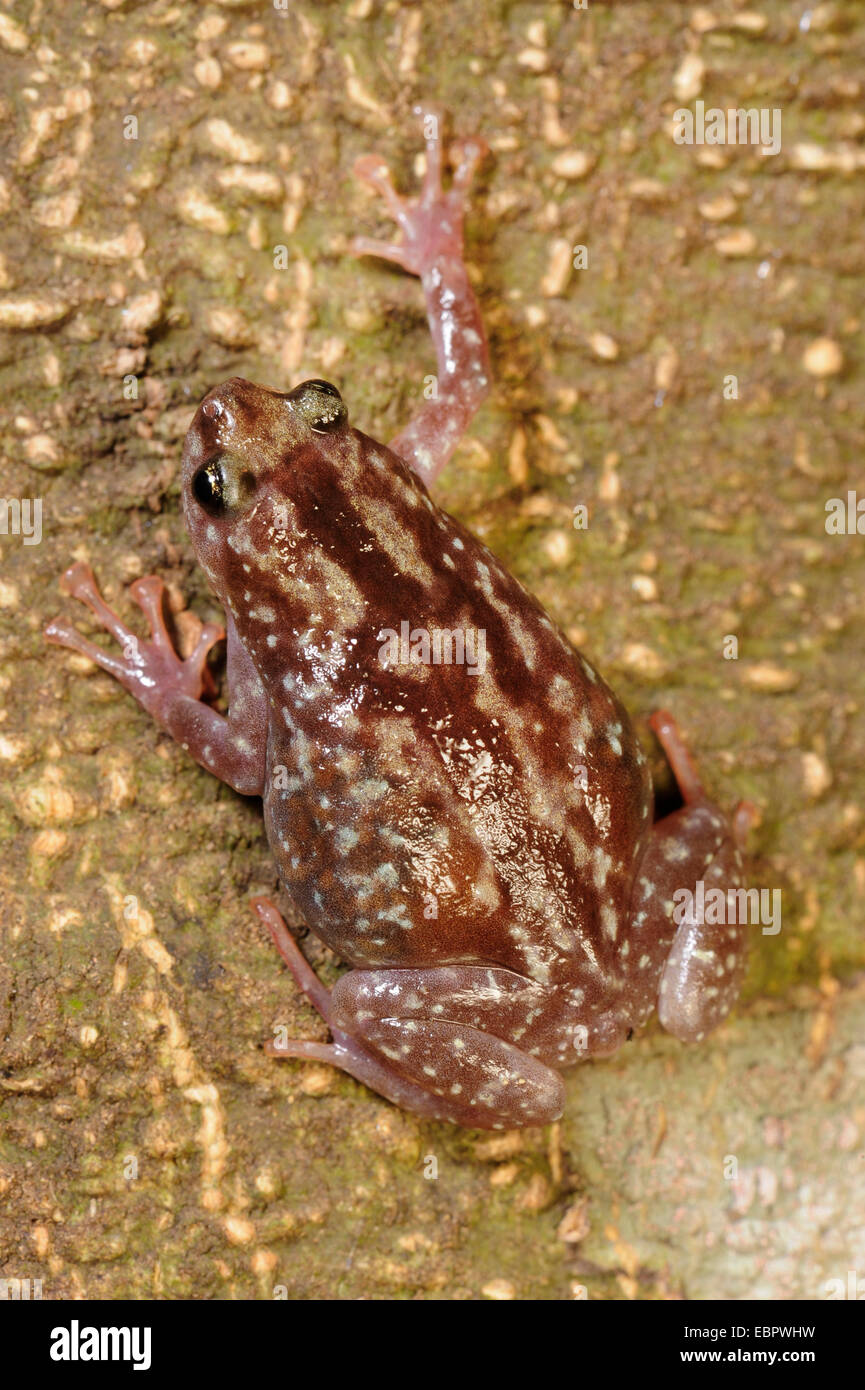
(256, 462)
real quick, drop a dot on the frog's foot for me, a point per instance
(151, 671)
(416, 1037)
(432, 223)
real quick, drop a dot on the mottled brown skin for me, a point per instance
(477, 844)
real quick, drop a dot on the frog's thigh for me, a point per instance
(705, 965)
(435, 1028)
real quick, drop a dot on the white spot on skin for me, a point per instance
(609, 921)
(602, 865)
(423, 459)
(371, 789)
(562, 695)
(675, 851)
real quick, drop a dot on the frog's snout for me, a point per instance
(223, 402)
(238, 404)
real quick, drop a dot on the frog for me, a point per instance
(476, 840)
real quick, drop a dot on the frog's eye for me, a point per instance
(319, 404)
(219, 487)
(208, 489)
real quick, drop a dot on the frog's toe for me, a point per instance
(304, 1051)
(466, 155)
(149, 594)
(745, 817)
(371, 169)
(304, 975)
(79, 583)
(669, 736)
(431, 118)
(62, 634)
(210, 635)
(385, 250)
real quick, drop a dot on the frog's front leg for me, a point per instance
(424, 1039)
(432, 248)
(693, 968)
(171, 689)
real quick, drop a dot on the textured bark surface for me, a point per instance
(147, 1146)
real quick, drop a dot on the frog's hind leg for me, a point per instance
(414, 1037)
(431, 247)
(691, 955)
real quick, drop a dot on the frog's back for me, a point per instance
(459, 783)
